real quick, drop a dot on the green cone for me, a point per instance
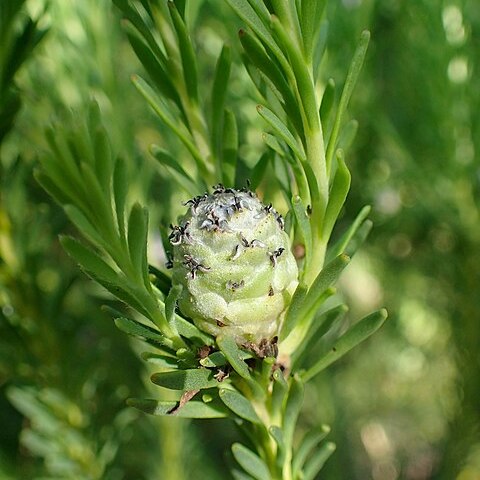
(233, 260)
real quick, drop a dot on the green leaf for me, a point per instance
(341, 245)
(217, 96)
(92, 263)
(259, 170)
(120, 191)
(103, 157)
(192, 379)
(140, 22)
(233, 354)
(160, 279)
(192, 409)
(304, 304)
(160, 361)
(350, 339)
(347, 136)
(352, 77)
(137, 241)
(252, 19)
(187, 53)
(309, 442)
(167, 160)
(215, 359)
(301, 72)
(240, 474)
(360, 236)
(303, 224)
(294, 310)
(292, 410)
(315, 464)
(171, 302)
(328, 99)
(159, 107)
(51, 188)
(239, 405)
(137, 329)
(250, 462)
(99, 201)
(327, 277)
(338, 195)
(321, 324)
(83, 225)
(280, 388)
(281, 130)
(258, 56)
(277, 434)
(272, 142)
(189, 330)
(154, 67)
(310, 15)
(230, 147)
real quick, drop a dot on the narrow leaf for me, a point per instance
(171, 302)
(158, 106)
(352, 77)
(259, 57)
(167, 160)
(137, 241)
(137, 329)
(90, 261)
(250, 462)
(347, 135)
(189, 330)
(316, 463)
(327, 277)
(215, 359)
(360, 236)
(231, 351)
(217, 96)
(230, 147)
(192, 379)
(153, 66)
(326, 105)
(252, 19)
(338, 195)
(187, 53)
(292, 410)
(321, 324)
(303, 224)
(120, 190)
(192, 409)
(310, 15)
(294, 310)
(309, 442)
(83, 225)
(350, 339)
(344, 240)
(281, 130)
(160, 361)
(239, 405)
(259, 170)
(103, 157)
(280, 388)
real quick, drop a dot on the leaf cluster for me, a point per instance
(19, 35)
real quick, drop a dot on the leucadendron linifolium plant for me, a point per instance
(231, 322)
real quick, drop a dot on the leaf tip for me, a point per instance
(366, 35)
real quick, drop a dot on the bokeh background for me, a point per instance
(404, 405)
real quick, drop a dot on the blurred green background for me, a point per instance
(405, 405)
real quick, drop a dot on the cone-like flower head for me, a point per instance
(233, 260)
